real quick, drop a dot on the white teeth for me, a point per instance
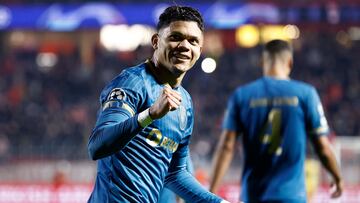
(181, 56)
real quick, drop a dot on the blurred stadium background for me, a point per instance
(56, 57)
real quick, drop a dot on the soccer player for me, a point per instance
(141, 137)
(275, 115)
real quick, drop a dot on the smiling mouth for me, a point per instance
(181, 56)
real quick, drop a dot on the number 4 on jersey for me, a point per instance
(273, 139)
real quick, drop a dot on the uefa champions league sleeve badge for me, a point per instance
(117, 94)
(116, 98)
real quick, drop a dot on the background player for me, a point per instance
(142, 133)
(275, 115)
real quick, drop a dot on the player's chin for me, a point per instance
(180, 68)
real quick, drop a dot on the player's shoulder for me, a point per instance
(302, 87)
(130, 78)
(250, 86)
(301, 84)
(130, 75)
(244, 91)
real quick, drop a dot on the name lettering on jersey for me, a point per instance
(276, 101)
(155, 138)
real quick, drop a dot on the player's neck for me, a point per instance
(276, 72)
(163, 75)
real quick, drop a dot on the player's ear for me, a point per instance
(291, 63)
(155, 40)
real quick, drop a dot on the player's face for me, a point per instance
(178, 46)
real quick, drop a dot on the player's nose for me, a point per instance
(184, 44)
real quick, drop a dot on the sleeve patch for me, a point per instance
(116, 99)
(116, 94)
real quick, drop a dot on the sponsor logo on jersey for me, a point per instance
(155, 138)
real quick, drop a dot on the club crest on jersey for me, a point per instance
(182, 117)
(117, 94)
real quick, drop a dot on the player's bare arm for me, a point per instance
(327, 157)
(222, 159)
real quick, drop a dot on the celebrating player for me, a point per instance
(143, 129)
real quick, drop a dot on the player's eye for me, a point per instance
(193, 41)
(175, 38)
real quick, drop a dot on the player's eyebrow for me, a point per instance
(177, 33)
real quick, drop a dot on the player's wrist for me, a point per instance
(338, 180)
(144, 118)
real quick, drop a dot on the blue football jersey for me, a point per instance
(275, 117)
(168, 196)
(152, 158)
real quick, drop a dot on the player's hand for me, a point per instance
(169, 100)
(336, 189)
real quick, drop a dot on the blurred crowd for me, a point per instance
(179, 1)
(48, 113)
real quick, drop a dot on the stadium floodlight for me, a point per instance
(354, 33)
(292, 31)
(125, 37)
(247, 36)
(208, 65)
(46, 61)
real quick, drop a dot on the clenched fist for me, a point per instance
(169, 100)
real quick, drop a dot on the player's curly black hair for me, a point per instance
(183, 13)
